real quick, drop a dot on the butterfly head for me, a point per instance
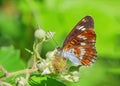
(59, 48)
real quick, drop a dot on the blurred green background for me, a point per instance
(19, 18)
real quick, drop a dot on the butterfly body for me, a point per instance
(79, 45)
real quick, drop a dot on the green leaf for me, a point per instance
(38, 80)
(10, 59)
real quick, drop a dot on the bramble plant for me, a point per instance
(18, 46)
(53, 66)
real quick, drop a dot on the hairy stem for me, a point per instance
(3, 70)
(5, 83)
(25, 71)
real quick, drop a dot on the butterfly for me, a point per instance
(79, 45)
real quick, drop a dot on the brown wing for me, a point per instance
(87, 22)
(82, 39)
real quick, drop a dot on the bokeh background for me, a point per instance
(20, 18)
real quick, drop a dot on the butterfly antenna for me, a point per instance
(53, 38)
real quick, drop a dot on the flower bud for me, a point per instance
(40, 34)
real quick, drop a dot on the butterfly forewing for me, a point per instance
(79, 45)
(85, 23)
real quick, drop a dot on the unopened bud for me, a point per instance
(40, 34)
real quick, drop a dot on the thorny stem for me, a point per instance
(37, 50)
(3, 70)
(24, 71)
(34, 65)
(5, 83)
(35, 55)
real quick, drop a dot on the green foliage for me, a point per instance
(37, 80)
(10, 59)
(17, 24)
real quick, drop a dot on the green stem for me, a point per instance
(37, 49)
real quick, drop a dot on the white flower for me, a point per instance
(21, 82)
(51, 54)
(46, 71)
(44, 67)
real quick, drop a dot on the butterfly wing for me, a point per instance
(87, 22)
(79, 45)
